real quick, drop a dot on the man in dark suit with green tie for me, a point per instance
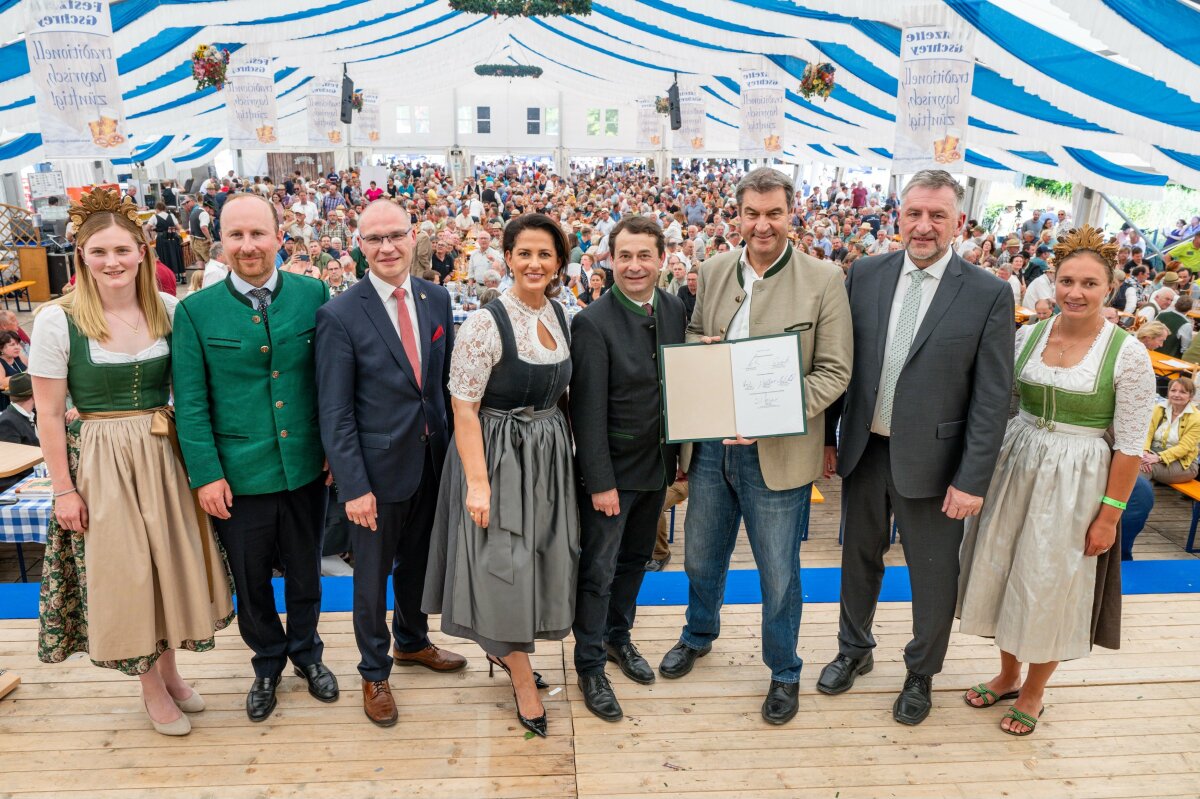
(245, 404)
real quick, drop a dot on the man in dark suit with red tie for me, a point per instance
(383, 357)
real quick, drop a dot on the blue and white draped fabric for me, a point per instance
(1043, 101)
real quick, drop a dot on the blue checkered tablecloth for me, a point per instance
(26, 521)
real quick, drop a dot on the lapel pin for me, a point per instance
(422, 295)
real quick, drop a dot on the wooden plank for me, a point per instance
(75, 730)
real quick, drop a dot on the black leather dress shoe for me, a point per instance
(599, 697)
(321, 682)
(782, 702)
(632, 664)
(838, 676)
(260, 702)
(680, 659)
(915, 699)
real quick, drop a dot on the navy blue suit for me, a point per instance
(386, 434)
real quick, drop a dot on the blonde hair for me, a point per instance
(1152, 330)
(196, 280)
(97, 211)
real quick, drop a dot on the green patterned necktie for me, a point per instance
(906, 328)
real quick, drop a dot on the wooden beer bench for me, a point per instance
(17, 291)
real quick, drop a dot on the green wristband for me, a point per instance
(1116, 503)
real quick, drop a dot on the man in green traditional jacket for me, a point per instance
(246, 410)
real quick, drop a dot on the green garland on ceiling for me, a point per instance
(508, 71)
(524, 8)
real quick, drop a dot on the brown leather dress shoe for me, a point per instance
(378, 703)
(431, 658)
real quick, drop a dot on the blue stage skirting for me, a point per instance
(20, 600)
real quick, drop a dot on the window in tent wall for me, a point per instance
(483, 119)
(552, 122)
(412, 119)
(593, 122)
(465, 121)
(610, 122)
(533, 121)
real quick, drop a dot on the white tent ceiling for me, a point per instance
(1096, 91)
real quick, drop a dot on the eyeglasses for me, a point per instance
(395, 238)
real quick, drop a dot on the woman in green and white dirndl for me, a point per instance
(1029, 560)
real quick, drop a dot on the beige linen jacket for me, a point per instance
(799, 294)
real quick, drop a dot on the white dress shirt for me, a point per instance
(929, 287)
(309, 209)
(1041, 288)
(214, 272)
(739, 327)
(385, 291)
(245, 288)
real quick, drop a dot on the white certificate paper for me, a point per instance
(753, 388)
(768, 387)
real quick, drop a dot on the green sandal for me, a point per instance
(984, 693)
(1021, 718)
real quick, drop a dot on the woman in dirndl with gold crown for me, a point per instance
(132, 570)
(1038, 571)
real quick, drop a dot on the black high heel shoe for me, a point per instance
(538, 725)
(541, 684)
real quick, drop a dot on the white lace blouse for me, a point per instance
(1133, 378)
(477, 348)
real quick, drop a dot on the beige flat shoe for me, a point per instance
(179, 727)
(193, 704)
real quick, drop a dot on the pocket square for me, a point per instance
(438, 334)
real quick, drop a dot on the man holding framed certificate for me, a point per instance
(765, 288)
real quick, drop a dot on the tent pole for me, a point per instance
(1132, 224)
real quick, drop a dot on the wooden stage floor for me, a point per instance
(1118, 724)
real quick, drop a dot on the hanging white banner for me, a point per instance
(692, 110)
(324, 112)
(365, 130)
(649, 125)
(250, 99)
(937, 67)
(760, 122)
(71, 60)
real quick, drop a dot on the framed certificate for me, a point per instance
(752, 387)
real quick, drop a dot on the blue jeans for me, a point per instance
(1133, 519)
(726, 483)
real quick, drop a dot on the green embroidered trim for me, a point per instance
(775, 269)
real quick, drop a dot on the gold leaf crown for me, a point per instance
(103, 200)
(1086, 238)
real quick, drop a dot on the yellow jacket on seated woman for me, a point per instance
(1189, 436)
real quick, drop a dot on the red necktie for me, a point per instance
(648, 308)
(407, 338)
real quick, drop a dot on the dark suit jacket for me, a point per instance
(615, 397)
(16, 429)
(375, 421)
(951, 404)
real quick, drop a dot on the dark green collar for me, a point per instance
(632, 306)
(775, 269)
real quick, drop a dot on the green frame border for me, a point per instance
(662, 379)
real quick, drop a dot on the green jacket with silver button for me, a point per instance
(245, 386)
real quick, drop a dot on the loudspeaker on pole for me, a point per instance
(347, 96)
